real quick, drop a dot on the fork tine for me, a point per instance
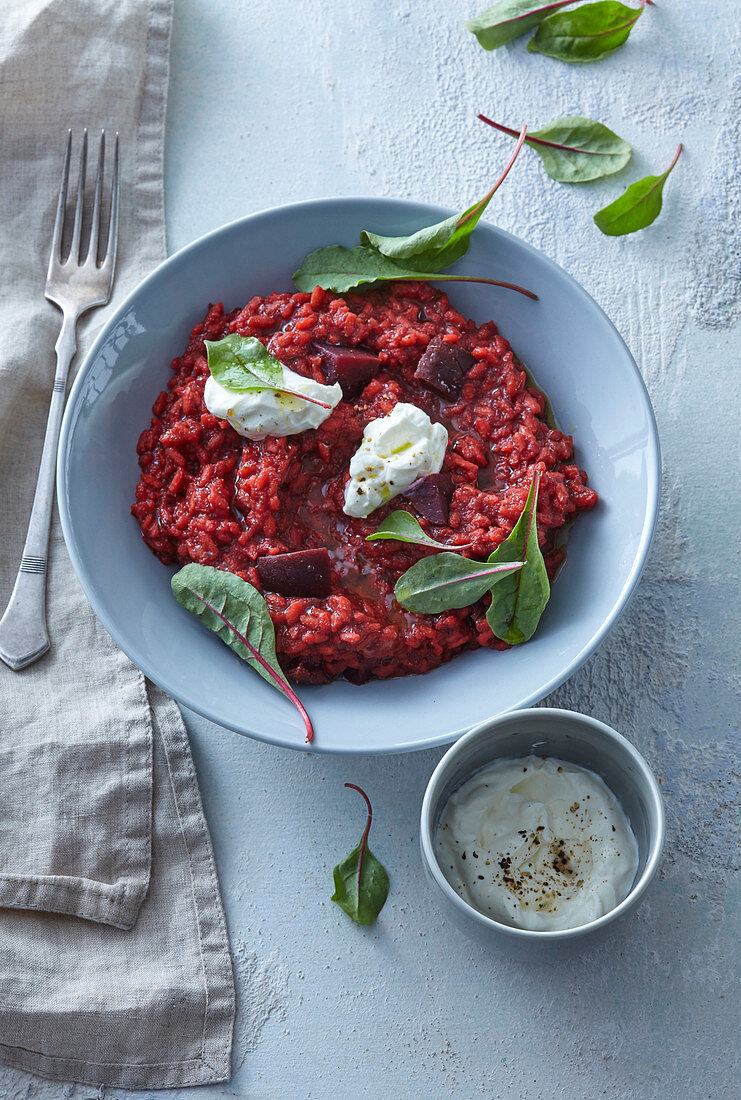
(56, 240)
(94, 243)
(109, 260)
(74, 248)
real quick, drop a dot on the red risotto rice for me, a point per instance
(208, 495)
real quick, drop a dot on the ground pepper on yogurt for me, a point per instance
(210, 496)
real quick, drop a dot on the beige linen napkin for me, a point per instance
(114, 959)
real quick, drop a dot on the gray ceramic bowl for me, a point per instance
(580, 740)
(574, 353)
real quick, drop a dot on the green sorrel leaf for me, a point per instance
(341, 269)
(447, 581)
(404, 527)
(420, 255)
(509, 19)
(429, 249)
(243, 363)
(437, 246)
(575, 149)
(238, 614)
(586, 33)
(361, 884)
(637, 207)
(519, 601)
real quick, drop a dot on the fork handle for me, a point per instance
(23, 634)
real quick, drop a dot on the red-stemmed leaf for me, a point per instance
(361, 883)
(238, 614)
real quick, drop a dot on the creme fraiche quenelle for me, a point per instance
(396, 450)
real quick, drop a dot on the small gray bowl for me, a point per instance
(580, 740)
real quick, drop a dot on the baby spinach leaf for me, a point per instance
(448, 580)
(436, 246)
(575, 149)
(637, 207)
(361, 884)
(243, 364)
(518, 602)
(509, 19)
(404, 527)
(587, 33)
(237, 613)
(341, 269)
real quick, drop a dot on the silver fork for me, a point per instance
(75, 284)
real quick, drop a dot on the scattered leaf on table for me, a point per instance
(637, 207)
(575, 149)
(586, 33)
(361, 884)
(509, 19)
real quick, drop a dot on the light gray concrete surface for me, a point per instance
(274, 101)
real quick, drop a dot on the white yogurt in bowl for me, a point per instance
(537, 843)
(593, 869)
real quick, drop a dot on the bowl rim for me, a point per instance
(430, 803)
(193, 702)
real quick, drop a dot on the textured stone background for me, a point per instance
(275, 101)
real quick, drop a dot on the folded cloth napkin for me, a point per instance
(114, 959)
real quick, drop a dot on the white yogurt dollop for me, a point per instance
(260, 413)
(395, 451)
(537, 843)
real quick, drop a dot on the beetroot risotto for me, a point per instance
(208, 495)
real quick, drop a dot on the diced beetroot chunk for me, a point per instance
(353, 368)
(431, 496)
(303, 573)
(358, 675)
(443, 367)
